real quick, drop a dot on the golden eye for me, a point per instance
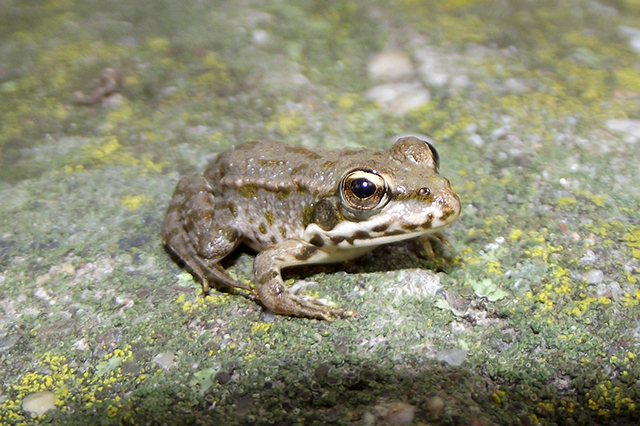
(363, 190)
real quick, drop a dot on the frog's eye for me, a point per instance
(363, 190)
(434, 152)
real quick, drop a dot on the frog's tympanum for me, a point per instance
(299, 206)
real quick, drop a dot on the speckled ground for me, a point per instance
(535, 110)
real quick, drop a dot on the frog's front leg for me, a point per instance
(425, 242)
(271, 289)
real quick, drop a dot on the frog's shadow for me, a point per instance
(407, 254)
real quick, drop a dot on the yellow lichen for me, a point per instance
(515, 234)
(498, 396)
(628, 79)
(286, 124)
(347, 101)
(133, 202)
(566, 201)
(159, 44)
(68, 386)
(260, 327)
(493, 267)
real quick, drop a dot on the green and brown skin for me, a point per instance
(300, 206)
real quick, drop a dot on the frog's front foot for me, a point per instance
(275, 296)
(426, 243)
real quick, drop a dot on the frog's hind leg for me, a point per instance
(191, 232)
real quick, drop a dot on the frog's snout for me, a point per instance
(448, 203)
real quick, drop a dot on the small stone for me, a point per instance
(8, 341)
(616, 291)
(476, 139)
(368, 419)
(460, 81)
(165, 360)
(629, 128)
(65, 268)
(390, 66)
(633, 35)
(602, 290)
(41, 293)
(39, 403)
(594, 277)
(453, 357)
(435, 405)
(515, 86)
(400, 414)
(259, 37)
(80, 345)
(431, 71)
(589, 258)
(398, 98)
(414, 284)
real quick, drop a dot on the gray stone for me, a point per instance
(593, 277)
(39, 403)
(398, 98)
(390, 66)
(452, 356)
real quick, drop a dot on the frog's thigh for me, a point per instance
(209, 228)
(271, 289)
(199, 234)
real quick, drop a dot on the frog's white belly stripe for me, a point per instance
(379, 230)
(336, 255)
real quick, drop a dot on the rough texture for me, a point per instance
(534, 106)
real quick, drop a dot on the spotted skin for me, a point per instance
(299, 206)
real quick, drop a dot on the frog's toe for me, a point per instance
(309, 307)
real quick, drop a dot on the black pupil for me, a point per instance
(362, 188)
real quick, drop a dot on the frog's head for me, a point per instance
(394, 195)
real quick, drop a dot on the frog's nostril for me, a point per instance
(423, 192)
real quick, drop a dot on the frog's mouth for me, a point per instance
(395, 223)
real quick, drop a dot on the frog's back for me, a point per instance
(271, 187)
(269, 164)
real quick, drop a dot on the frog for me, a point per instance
(302, 206)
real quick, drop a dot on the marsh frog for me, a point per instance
(298, 206)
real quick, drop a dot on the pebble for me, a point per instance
(432, 70)
(8, 341)
(259, 37)
(629, 128)
(594, 276)
(435, 405)
(39, 403)
(416, 284)
(42, 294)
(453, 357)
(476, 139)
(589, 258)
(398, 98)
(400, 413)
(391, 414)
(431, 76)
(165, 360)
(633, 35)
(391, 65)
